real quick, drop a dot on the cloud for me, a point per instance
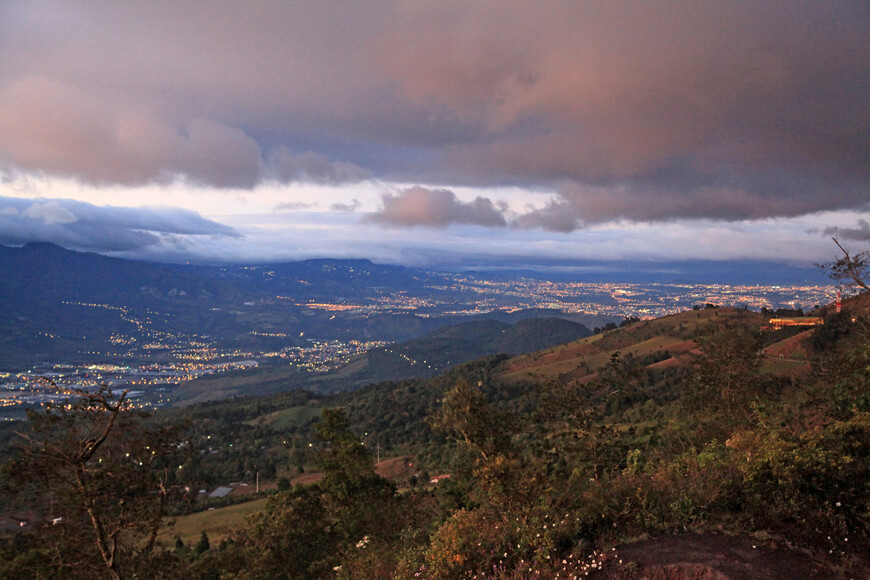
(435, 208)
(644, 112)
(50, 126)
(83, 226)
(50, 212)
(758, 103)
(577, 206)
(294, 206)
(311, 167)
(861, 232)
(556, 216)
(346, 207)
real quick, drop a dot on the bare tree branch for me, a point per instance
(853, 270)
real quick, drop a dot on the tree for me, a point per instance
(727, 373)
(308, 531)
(344, 457)
(358, 501)
(290, 538)
(852, 269)
(465, 416)
(107, 477)
(203, 546)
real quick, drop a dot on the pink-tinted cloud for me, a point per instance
(643, 111)
(620, 88)
(419, 206)
(690, 108)
(46, 125)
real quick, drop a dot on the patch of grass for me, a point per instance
(285, 418)
(217, 523)
(783, 366)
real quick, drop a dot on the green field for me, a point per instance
(217, 523)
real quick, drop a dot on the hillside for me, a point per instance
(419, 358)
(57, 304)
(690, 446)
(665, 342)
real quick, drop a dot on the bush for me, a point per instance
(817, 483)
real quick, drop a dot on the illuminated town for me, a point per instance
(150, 362)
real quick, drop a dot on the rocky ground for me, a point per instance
(716, 557)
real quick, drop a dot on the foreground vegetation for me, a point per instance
(653, 428)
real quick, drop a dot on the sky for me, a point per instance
(443, 133)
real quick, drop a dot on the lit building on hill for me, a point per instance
(777, 323)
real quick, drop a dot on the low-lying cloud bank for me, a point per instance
(82, 226)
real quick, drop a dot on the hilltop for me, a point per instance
(670, 342)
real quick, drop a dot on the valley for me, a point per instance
(450, 426)
(82, 320)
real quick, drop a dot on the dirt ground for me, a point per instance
(714, 556)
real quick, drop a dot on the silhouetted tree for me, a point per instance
(107, 476)
(852, 269)
(203, 545)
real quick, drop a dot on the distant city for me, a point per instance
(162, 360)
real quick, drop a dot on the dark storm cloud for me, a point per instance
(860, 232)
(640, 111)
(577, 206)
(419, 206)
(651, 111)
(83, 226)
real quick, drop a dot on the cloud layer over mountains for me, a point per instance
(74, 224)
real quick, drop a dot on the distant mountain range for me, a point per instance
(65, 306)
